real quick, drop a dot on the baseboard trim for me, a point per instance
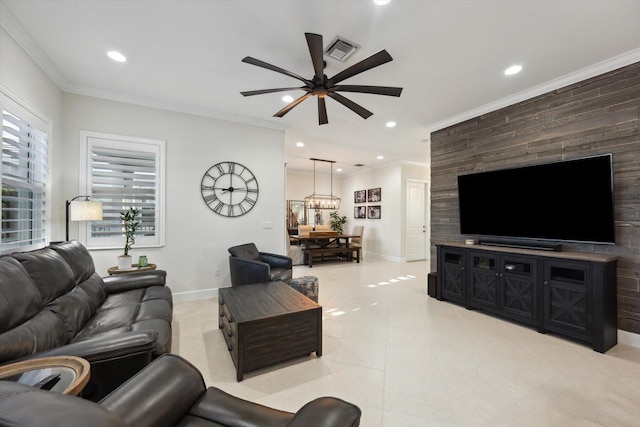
(628, 338)
(195, 295)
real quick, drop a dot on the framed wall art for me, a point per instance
(360, 212)
(373, 212)
(374, 195)
(360, 196)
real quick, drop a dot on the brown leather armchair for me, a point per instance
(168, 392)
(248, 265)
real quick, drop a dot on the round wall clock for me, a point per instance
(229, 189)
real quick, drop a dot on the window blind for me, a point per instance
(24, 182)
(122, 179)
(123, 172)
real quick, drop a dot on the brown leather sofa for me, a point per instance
(247, 265)
(168, 392)
(52, 302)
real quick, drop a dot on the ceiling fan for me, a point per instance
(321, 86)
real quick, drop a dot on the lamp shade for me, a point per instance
(85, 210)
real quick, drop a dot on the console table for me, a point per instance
(268, 323)
(568, 293)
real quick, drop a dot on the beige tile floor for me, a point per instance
(409, 360)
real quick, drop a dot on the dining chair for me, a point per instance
(303, 230)
(357, 230)
(294, 251)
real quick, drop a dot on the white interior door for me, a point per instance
(416, 221)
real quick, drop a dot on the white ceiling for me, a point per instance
(449, 57)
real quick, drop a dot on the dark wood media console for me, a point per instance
(566, 293)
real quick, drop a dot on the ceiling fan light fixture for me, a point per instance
(287, 98)
(322, 86)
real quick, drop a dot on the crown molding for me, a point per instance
(173, 106)
(611, 64)
(24, 40)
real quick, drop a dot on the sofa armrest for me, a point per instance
(327, 412)
(159, 395)
(245, 271)
(100, 349)
(276, 260)
(126, 282)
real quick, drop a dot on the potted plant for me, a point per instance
(130, 224)
(336, 221)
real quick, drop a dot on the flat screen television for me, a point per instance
(570, 201)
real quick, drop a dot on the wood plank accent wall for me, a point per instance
(596, 116)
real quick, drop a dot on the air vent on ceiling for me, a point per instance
(341, 49)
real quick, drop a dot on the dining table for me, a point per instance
(322, 244)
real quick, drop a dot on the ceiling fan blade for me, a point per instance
(263, 91)
(358, 109)
(375, 90)
(314, 41)
(258, 63)
(322, 111)
(373, 61)
(289, 107)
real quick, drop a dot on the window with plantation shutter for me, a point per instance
(124, 172)
(24, 178)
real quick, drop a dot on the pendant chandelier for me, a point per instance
(322, 201)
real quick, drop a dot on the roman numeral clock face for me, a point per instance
(229, 189)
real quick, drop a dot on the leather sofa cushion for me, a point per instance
(73, 309)
(50, 273)
(135, 310)
(246, 251)
(78, 258)
(43, 332)
(16, 307)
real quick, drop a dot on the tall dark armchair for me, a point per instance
(248, 265)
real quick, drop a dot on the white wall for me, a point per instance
(384, 238)
(21, 78)
(196, 238)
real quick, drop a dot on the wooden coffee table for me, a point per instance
(268, 323)
(62, 374)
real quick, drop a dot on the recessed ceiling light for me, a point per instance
(380, 157)
(514, 69)
(339, 170)
(381, 2)
(299, 144)
(116, 56)
(391, 124)
(287, 98)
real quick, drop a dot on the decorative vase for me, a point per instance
(124, 262)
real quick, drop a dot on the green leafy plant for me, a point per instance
(337, 221)
(130, 225)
